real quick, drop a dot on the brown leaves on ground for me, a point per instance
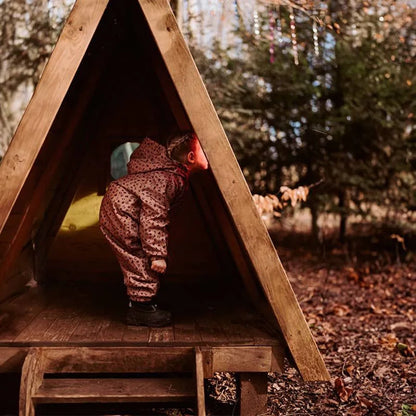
(363, 318)
(343, 392)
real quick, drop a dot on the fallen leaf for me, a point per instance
(343, 392)
(350, 369)
(341, 310)
(390, 341)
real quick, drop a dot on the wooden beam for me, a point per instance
(47, 99)
(200, 389)
(12, 359)
(21, 272)
(32, 376)
(234, 189)
(253, 394)
(119, 360)
(115, 390)
(245, 359)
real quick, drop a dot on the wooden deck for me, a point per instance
(91, 314)
(67, 328)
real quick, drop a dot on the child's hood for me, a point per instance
(151, 156)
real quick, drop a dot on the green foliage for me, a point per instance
(408, 410)
(345, 116)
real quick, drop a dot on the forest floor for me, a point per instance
(359, 299)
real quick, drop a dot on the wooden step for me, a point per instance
(115, 390)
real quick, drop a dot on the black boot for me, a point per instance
(147, 314)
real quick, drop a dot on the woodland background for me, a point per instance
(319, 94)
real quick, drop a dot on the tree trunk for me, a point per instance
(316, 232)
(344, 216)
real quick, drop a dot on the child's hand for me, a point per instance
(158, 265)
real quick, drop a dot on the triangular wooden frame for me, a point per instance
(43, 108)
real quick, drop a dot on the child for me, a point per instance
(134, 216)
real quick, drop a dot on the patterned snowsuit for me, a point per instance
(134, 215)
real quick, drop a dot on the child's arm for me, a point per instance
(154, 218)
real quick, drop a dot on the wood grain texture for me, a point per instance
(234, 189)
(86, 315)
(118, 359)
(247, 359)
(20, 312)
(32, 375)
(115, 390)
(199, 374)
(12, 359)
(45, 103)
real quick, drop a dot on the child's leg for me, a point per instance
(122, 232)
(141, 282)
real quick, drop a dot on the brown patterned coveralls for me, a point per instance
(134, 215)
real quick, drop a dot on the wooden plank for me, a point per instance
(112, 330)
(233, 316)
(261, 331)
(139, 334)
(278, 359)
(4, 246)
(87, 329)
(62, 329)
(234, 189)
(21, 312)
(12, 359)
(37, 328)
(210, 330)
(90, 312)
(9, 230)
(21, 273)
(253, 394)
(237, 333)
(161, 335)
(44, 105)
(242, 359)
(119, 359)
(32, 375)
(185, 332)
(115, 390)
(207, 359)
(200, 388)
(55, 323)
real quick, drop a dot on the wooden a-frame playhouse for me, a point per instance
(121, 71)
